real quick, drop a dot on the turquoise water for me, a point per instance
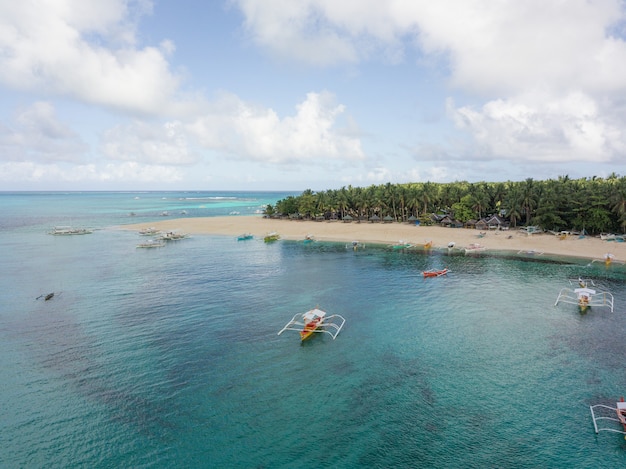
(170, 357)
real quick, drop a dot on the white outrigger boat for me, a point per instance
(69, 231)
(314, 320)
(474, 248)
(620, 411)
(584, 296)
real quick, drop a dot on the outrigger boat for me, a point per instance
(585, 297)
(435, 273)
(151, 244)
(271, 237)
(355, 245)
(151, 231)
(69, 231)
(401, 245)
(314, 320)
(620, 410)
(474, 247)
(171, 236)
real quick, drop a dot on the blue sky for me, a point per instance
(309, 94)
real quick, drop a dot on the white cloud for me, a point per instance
(157, 144)
(127, 172)
(551, 74)
(36, 133)
(86, 50)
(543, 130)
(311, 135)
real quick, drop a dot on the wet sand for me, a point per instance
(392, 233)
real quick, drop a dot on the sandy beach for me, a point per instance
(391, 233)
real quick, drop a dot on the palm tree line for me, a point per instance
(593, 205)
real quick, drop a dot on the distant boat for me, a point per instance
(435, 273)
(151, 244)
(149, 231)
(165, 214)
(244, 237)
(69, 231)
(401, 245)
(271, 237)
(309, 238)
(171, 236)
(355, 245)
(315, 320)
(474, 248)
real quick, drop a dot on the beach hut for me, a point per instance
(374, 218)
(388, 219)
(347, 219)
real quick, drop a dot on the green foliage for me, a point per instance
(594, 204)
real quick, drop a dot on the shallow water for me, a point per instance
(163, 357)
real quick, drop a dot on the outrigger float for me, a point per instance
(584, 296)
(315, 320)
(620, 410)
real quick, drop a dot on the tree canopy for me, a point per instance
(592, 204)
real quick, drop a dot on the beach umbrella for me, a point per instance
(374, 218)
(388, 218)
(347, 218)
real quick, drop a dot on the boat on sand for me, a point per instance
(271, 237)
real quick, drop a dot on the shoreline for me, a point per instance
(514, 241)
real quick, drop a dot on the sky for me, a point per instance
(308, 94)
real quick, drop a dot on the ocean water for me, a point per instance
(170, 357)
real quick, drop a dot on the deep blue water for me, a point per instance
(170, 357)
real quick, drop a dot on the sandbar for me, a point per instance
(513, 240)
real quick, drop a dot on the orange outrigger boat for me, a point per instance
(314, 320)
(435, 273)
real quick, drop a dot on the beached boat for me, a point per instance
(244, 237)
(435, 273)
(151, 244)
(620, 411)
(474, 248)
(151, 231)
(585, 297)
(315, 321)
(171, 236)
(271, 237)
(69, 231)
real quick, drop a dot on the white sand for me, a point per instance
(390, 233)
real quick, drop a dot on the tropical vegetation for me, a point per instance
(591, 205)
